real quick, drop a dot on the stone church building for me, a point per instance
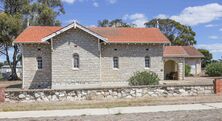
(75, 56)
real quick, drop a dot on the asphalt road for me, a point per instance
(202, 115)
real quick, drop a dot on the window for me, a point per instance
(39, 62)
(75, 60)
(147, 62)
(115, 62)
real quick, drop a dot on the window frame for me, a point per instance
(115, 63)
(74, 66)
(39, 60)
(147, 59)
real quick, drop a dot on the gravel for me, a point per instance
(203, 115)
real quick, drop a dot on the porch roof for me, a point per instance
(182, 51)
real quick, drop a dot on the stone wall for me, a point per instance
(131, 59)
(32, 77)
(75, 41)
(180, 64)
(107, 93)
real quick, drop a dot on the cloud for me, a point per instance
(138, 19)
(211, 25)
(162, 16)
(112, 1)
(220, 29)
(199, 14)
(214, 37)
(69, 1)
(214, 48)
(95, 4)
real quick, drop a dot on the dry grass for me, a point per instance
(107, 103)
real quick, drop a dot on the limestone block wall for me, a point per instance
(32, 77)
(180, 64)
(64, 46)
(131, 59)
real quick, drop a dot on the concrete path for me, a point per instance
(107, 111)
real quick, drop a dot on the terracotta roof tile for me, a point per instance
(131, 35)
(114, 35)
(181, 51)
(34, 34)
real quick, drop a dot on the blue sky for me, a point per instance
(204, 16)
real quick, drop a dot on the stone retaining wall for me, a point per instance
(107, 93)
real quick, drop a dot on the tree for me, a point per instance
(177, 33)
(103, 23)
(114, 23)
(207, 57)
(14, 18)
(44, 12)
(1, 64)
(9, 29)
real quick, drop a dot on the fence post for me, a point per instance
(218, 86)
(2, 95)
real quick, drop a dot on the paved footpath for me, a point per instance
(109, 111)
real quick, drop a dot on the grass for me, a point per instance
(5, 107)
(67, 105)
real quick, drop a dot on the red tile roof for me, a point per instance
(131, 35)
(34, 34)
(182, 51)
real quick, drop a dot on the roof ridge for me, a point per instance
(185, 50)
(44, 26)
(123, 27)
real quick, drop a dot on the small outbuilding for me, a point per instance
(175, 58)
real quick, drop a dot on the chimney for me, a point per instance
(27, 22)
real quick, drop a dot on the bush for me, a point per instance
(214, 69)
(144, 78)
(187, 70)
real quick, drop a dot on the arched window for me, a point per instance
(115, 62)
(75, 60)
(147, 62)
(39, 62)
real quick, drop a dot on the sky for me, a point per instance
(204, 16)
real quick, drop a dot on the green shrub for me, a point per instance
(144, 78)
(187, 70)
(214, 69)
